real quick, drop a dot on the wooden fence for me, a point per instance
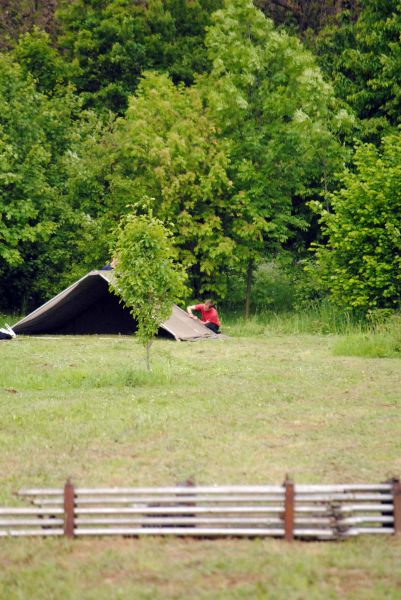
(320, 512)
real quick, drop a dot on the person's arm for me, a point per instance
(189, 311)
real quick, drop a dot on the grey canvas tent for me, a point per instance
(89, 307)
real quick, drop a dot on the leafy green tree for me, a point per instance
(90, 165)
(147, 276)
(270, 100)
(40, 228)
(361, 262)
(36, 55)
(24, 160)
(363, 59)
(181, 50)
(166, 155)
(111, 42)
(105, 42)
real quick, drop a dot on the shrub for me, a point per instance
(361, 262)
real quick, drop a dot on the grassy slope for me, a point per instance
(231, 411)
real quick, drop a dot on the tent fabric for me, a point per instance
(88, 306)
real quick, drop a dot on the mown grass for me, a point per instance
(220, 569)
(244, 409)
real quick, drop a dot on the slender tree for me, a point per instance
(147, 277)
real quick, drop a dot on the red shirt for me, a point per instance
(208, 315)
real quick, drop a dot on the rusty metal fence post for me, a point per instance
(69, 509)
(289, 509)
(396, 491)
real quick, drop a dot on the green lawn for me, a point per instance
(238, 410)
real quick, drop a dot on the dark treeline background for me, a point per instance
(264, 135)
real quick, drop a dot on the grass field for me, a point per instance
(237, 410)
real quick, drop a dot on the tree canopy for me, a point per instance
(362, 58)
(165, 155)
(208, 113)
(147, 276)
(110, 43)
(270, 100)
(42, 229)
(361, 261)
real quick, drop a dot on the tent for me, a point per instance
(88, 306)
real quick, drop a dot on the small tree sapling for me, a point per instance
(147, 277)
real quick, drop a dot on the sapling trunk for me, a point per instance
(148, 346)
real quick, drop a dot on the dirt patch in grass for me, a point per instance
(346, 582)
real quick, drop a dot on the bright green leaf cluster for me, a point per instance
(361, 262)
(271, 102)
(147, 276)
(40, 225)
(166, 155)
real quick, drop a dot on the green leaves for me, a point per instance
(148, 278)
(227, 163)
(361, 262)
(37, 57)
(270, 101)
(24, 160)
(40, 227)
(110, 43)
(362, 58)
(167, 157)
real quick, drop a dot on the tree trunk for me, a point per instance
(148, 345)
(249, 274)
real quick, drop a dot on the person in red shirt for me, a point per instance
(209, 316)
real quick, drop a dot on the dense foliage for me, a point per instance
(170, 159)
(165, 156)
(39, 228)
(111, 42)
(207, 114)
(362, 58)
(271, 102)
(147, 276)
(361, 262)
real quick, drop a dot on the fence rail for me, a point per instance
(321, 512)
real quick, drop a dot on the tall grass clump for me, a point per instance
(382, 340)
(317, 318)
(9, 318)
(286, 299)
